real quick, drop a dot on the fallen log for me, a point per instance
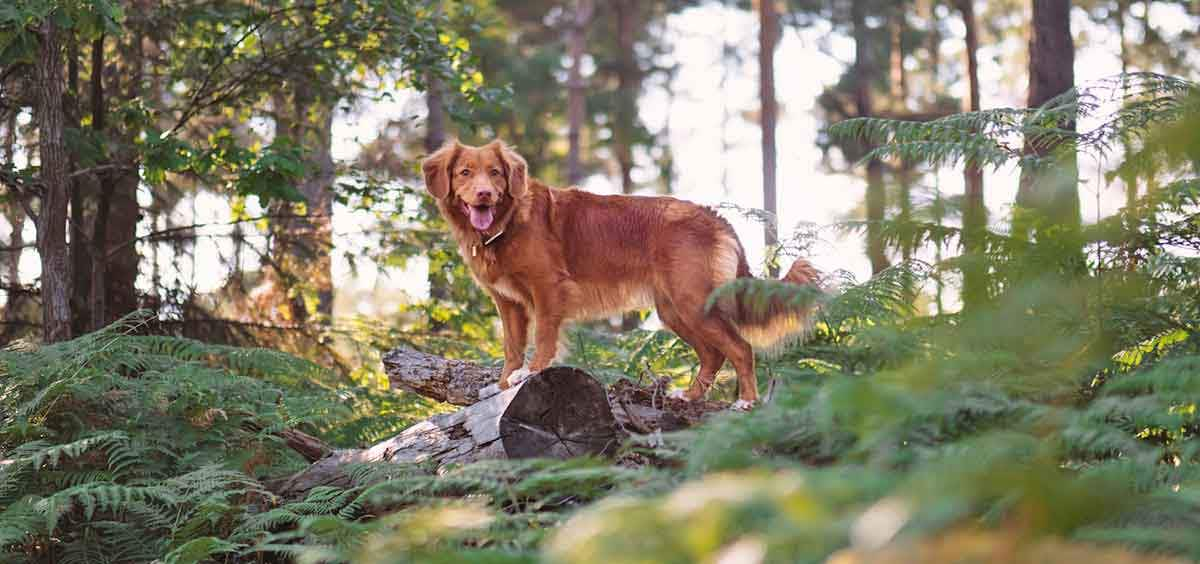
(456, 382)
(560, 412)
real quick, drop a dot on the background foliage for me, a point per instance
(1052, 418)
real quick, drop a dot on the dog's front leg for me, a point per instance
(516, 335)
(549, 313)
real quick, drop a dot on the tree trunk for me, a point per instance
(876, 196)
(768, 35)
(11, 262)
(897, 76)
(435, 137)
(1051, 193)
(82, 194)
(628, 84)
(935, 50)
(576, 89)
(115, 265)
(435, 119)
(304, 242)
(975, 282)
(55, 176)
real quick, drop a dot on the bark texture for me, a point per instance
(55, 176)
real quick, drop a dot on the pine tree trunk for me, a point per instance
(628, 84)
(768, 34)
(975, 283)
(435, 137)
(304, 242)
(55, 177)
(82, 195)
(11, 263)
(115, 266)
(576, 91)
(1049, 196)
(625, 115)
(876, 195)
(435, 120)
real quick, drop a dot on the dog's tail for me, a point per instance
(772, 316)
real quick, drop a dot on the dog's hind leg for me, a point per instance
(718, 332)
(710, 357)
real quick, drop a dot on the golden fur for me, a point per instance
(549, 255)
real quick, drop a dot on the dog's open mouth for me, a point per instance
(481, 216)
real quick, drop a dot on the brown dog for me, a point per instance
(549, 255)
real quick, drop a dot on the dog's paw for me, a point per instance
(743, 405)
(678, 394)
(519, 375)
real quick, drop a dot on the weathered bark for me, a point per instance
(1049, 195)
(576, 89)
(455, 382)
(560, 412)
(975, 283)
(768, 35)
(55, 176)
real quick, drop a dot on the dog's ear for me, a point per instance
(436, 168)
(518, 171)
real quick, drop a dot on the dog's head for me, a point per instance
(481, 183)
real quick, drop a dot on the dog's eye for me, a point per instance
(465, 172)
(495, 172)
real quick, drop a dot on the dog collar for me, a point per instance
(475, 249)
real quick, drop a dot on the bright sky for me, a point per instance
(807, 192)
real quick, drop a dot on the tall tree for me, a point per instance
(114, 256)
(55, 177)
(11, 263)
(975, 282)
(864, 68)
(768, 37)
(629, 85)
(1048, 197)
(577, 89)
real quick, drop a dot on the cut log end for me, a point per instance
(562, 412)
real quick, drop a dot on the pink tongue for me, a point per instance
(480, 218)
